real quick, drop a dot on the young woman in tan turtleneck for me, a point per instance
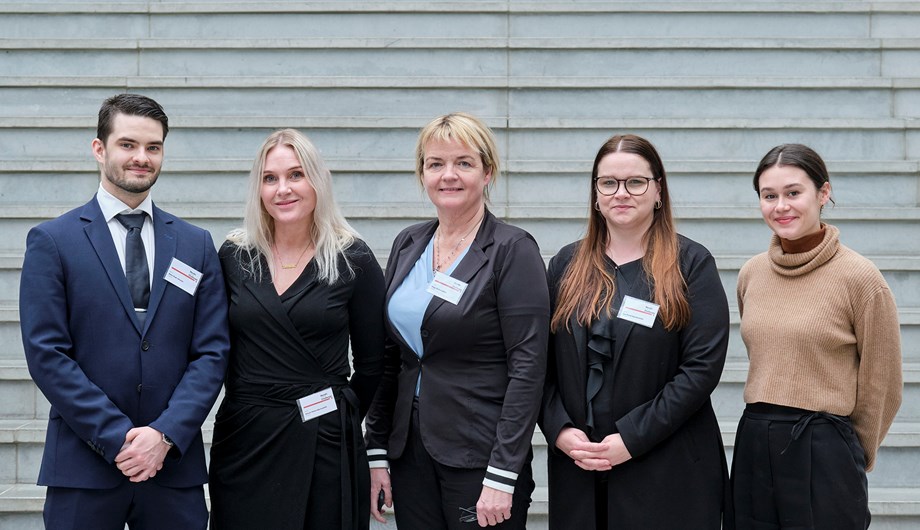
(824, 384)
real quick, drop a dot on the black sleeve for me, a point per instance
(365, 324)
(703, 346)
(553, 415)
(379, 420)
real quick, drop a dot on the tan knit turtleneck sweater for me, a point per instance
(821, 330)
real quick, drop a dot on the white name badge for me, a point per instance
(183, 276)
(639, 311)
(447, 288)
(316, 404)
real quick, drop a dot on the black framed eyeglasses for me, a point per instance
(634, 185)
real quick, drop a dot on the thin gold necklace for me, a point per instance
(296, 263)
(437, 246)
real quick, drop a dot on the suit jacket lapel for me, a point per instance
(474, 260)
(165, 249)
(406, 258)
(97, 231)
(401, 264)
(624, 327)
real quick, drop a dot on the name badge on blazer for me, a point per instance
(641, 312)
(447, 288)
(183, 276)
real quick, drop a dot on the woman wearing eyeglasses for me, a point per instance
(640, 331)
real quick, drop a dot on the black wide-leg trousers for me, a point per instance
(795, 469)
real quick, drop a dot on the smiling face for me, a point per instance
(454, 176)
(131, 157)
(790, 203)
(287, 195)
(622, 210)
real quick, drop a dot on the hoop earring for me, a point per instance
(597, 206)
(658, 204)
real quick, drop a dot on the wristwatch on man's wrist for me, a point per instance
(167, 441)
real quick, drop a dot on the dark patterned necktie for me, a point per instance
(136, 262)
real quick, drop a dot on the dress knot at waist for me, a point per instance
(286, 394)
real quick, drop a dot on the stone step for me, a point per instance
(21, 508)
(539, 140)
(488, 56)
(898, 463)
(614, 102)
(24, 402)
(891, 508)
(282, 81)
(901, 272)
(732, 230)
(548, 19)
(22, 427)
(546, 184)
(715, 7)
(11, 349)
(728, 399)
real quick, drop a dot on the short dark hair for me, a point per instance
(131, 105)
(794, 155)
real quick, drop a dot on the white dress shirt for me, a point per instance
(112, 206)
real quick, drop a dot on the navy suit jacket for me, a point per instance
(103, 372)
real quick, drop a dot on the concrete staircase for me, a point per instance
(713, 84)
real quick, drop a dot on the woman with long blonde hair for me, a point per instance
(287, 450)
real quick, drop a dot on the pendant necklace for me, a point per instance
(437, 246)
(296, 263)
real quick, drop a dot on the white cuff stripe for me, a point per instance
(376, 452)
(501, 472)
(378, 464)
(498, 486)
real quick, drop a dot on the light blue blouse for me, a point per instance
(410, 300)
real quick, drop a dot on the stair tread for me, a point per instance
(882, 500)
(492, 81)
(32, 430)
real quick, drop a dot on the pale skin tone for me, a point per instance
(455, 180)
(290, 200)
(790, 203)
(131, 157)
(628, 218)
(129, 162)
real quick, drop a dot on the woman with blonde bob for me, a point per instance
(467, 322)
(287, 450)
(639, 337)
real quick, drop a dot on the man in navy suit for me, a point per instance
(125, 332)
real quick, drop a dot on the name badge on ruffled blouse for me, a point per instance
(641, 312)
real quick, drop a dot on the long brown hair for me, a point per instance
(587, 288)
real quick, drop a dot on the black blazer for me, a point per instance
(484, 359)
(677, 476)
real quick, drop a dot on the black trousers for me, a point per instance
(428, 495)
(797, 469)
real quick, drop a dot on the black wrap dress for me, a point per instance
(270, 469)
